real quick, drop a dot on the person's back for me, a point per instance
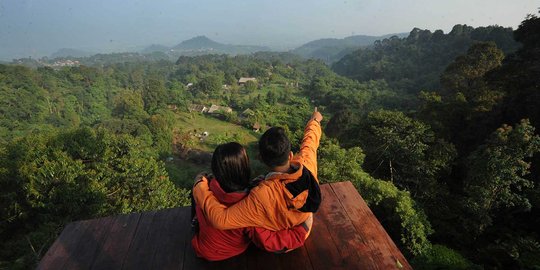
(213, 244)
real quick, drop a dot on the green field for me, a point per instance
(219, 131)
(182, 172)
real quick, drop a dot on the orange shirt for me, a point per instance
(269, 205)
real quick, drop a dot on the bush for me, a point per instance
(441, 257)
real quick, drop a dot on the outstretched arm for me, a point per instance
(310, 142)
(245, 213)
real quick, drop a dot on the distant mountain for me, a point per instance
(332, 49)
(68, 52)
(203, 45)
(198, 43)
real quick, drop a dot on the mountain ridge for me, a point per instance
(332, 49)
(203, 45)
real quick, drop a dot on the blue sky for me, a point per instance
(40, 27)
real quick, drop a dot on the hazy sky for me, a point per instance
(40, 27)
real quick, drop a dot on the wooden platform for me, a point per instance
(346, 235)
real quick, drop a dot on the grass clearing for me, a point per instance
(219, 131)
(181, 172)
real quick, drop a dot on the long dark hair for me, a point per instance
(230, 166)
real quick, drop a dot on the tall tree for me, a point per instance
(406, 152)
(496, 178)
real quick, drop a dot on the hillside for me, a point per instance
(332, 49)
(414, 63)
(203, 45)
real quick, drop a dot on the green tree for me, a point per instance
(129, 104)
(395, 208)
(250, 86)
(271, 97)
(406, 152)
(209, 85)
(154, 95)
(465, 76)
(160, 125)
(496, 175)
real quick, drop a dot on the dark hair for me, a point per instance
(274, 147)
(230, 166)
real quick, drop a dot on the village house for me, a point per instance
(65, 63)
(244, 80)
(198, 108)
(219, 109)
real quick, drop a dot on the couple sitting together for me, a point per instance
(275, 212)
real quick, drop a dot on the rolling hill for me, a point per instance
(203, 45)
(331, 50)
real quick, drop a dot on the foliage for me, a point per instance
(209, 85)
(394, 208)
(518, 77)
(465, 75)
(129, 105)
(441, 257)
(154, 95)
(406, 152)
(74, 175)
(414, 63)
(495, 179)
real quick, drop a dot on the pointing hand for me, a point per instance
(317, 116)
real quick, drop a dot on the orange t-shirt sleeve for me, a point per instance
(248, 212)
(310, 143)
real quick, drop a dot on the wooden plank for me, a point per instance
(382, 248)
(139, 253)
(171, 240)
(169, 254)
(158, 223)
(74, 242)
(90, 242)
(297, 259)
(60, 250)
(116, 245)
(236, 262)
(351, 247)
(321, 248)
(261, 260)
